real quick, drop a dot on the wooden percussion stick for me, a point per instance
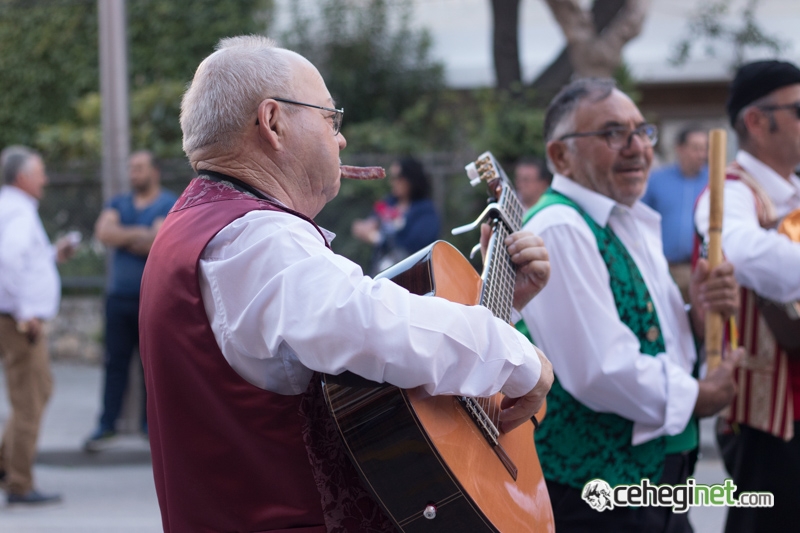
(716, 185)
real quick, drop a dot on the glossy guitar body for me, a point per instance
(416, 452)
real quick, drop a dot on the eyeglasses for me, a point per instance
(794, 106)
(619, 138)
(338, 114)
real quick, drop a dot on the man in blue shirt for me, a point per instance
(672, 191)
(128, 224)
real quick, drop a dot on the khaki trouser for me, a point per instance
(29, 383)
(682, 274)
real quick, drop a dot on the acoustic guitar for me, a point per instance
(439, 463)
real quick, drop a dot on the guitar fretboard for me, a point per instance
(497, 294)
(499, 271)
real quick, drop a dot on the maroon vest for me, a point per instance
(227, 455)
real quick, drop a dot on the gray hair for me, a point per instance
(13, 160)
(560, 115)
(742, 133)
(227, 88)
(561, 111)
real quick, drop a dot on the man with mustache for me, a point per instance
(762, 447)
(625, 401)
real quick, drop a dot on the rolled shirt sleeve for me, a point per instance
(282, 306)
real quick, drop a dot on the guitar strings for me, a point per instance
(498, 293)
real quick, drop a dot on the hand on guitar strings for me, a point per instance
(516, 411)
(715, 291)
(527, 251)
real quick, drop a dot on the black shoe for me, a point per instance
(32, 497)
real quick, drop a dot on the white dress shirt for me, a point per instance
(29, 282)
(282, 305)
(764, 260)
(575, 321)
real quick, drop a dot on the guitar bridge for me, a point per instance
(489, 430)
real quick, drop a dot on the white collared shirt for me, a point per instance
(29, 282)
(282, 305)
(574, 320)
(763, 260)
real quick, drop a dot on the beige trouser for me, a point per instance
(29, 383)
(682, 274)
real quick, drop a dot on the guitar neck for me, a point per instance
(499, 271)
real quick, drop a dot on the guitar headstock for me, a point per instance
(487, 169)
(503, 202)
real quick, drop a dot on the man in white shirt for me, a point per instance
(30, 292)
(761, 445)
(243, 303)
(612, 320)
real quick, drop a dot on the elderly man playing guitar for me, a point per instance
(244, 304)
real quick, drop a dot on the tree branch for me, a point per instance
(576, 23)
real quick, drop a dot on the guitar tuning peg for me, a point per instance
(472, 174)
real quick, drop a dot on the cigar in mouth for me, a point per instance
(362, 173)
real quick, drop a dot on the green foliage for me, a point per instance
(710, 27)
(511, 125)
(431, 123)
(372, 62)
(154, 113)
(49, 61)
(169, 38)
(49, 67)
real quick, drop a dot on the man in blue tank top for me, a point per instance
(128, 225)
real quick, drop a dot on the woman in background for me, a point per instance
(404, 222)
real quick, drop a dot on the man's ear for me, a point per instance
(756, 121)
(557, 152)
(270, 124)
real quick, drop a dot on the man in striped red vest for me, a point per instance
(760, 443)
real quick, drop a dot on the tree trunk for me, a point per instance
(506, 43)
(585, 53)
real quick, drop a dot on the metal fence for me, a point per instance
(74, 199)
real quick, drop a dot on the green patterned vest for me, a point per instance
(576, 444)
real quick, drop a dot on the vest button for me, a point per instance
(652, 334)
(649, 307)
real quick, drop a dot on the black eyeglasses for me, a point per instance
(795, 106)
(338, 114)
(619, 138)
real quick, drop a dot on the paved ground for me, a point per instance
(113, 491)
(109, 492)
